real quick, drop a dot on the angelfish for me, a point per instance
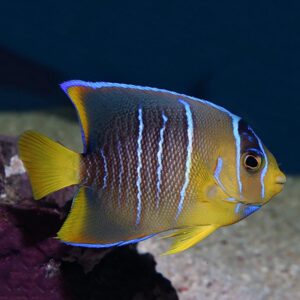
(153, 161)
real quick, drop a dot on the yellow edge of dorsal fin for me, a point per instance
(187, 237)
(77, 95)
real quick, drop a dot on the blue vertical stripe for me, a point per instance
(235, 125)
(128, 175)
(105, 169)
(139, 166)
(218, 171)
(264, 171)
(121, 171)
(159, 158)
(190, 134)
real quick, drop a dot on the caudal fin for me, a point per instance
(50, 165)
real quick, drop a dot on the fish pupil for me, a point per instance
(251, 162)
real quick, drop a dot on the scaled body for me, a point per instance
(155, 161)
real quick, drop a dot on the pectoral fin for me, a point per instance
(188, 237)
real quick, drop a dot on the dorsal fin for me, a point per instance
(76, 94)
(98, 102)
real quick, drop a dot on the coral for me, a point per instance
(35, 265)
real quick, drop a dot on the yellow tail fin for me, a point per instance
(50, 165)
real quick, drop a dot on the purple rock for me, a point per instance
(35, 265)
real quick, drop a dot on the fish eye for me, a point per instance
(252, 161)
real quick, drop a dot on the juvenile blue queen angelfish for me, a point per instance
(153, 161)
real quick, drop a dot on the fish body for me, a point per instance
(153, 161)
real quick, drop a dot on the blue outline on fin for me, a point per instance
(96, 85)
(117, 244)
(65, 87)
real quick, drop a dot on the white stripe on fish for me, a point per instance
(159, 158)
(235, 130)
(128, 166)
(105, 169)
(217, 173)
(121, 171)
(264, 171)
(139, 167)
(190, 134)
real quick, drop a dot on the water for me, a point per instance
(243, 56)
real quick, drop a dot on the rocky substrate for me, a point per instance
(35, 265)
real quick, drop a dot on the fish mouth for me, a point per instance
(281, 179)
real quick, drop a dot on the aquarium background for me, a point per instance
(243, 55)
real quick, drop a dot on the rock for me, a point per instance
(35, 265)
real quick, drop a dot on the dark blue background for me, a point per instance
(243, 55)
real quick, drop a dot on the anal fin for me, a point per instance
(187, 237)
(87, 225)
(73, 230)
